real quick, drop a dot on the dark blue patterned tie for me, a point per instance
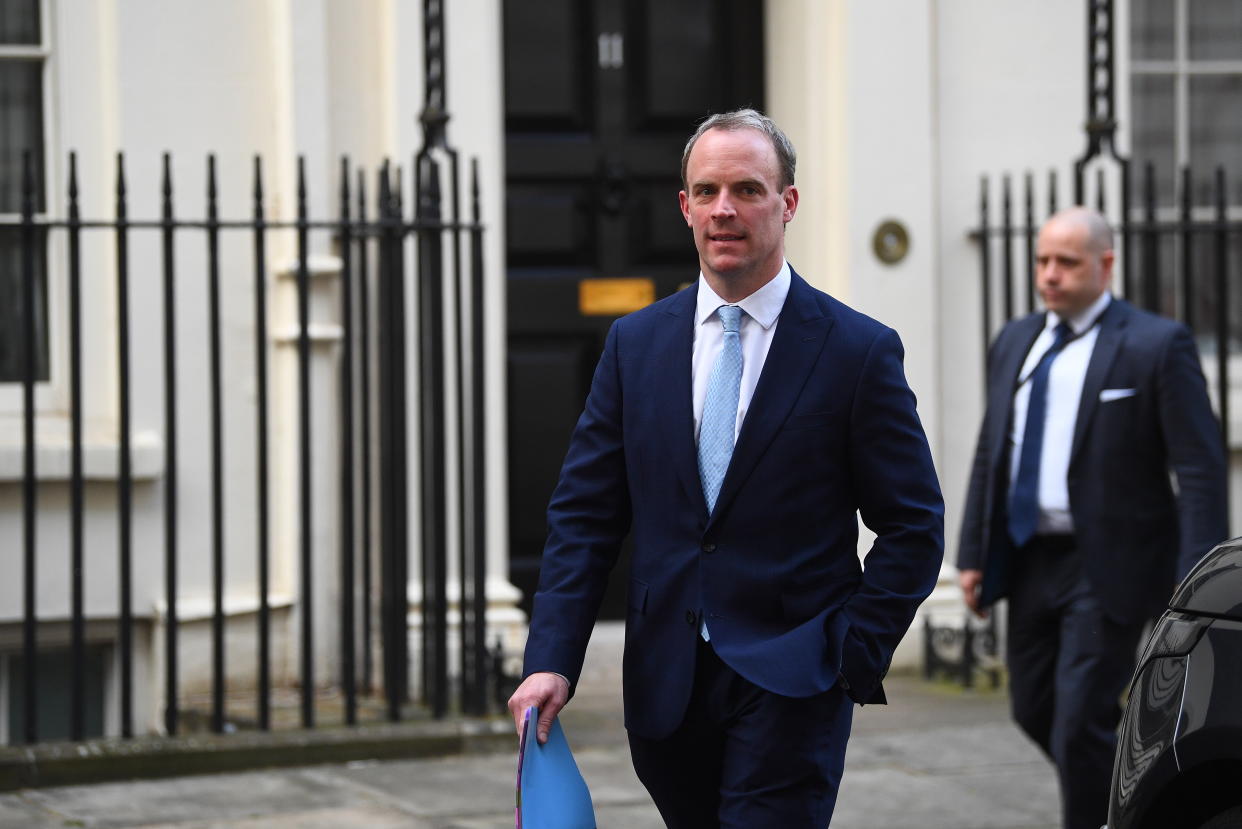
(1024, 495)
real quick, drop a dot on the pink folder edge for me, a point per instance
(526, 718)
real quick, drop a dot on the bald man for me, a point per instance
(1098, 481)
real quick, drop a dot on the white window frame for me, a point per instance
(1181, 69)
(5, 674)
(51, 395)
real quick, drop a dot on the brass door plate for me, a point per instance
(614, 297)
(891, 242)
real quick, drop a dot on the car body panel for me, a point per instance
(1214, 585)
(1211, 718)
(1146, 761)
(1183, 720)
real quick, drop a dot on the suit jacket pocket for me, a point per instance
(1111, 395)
(637, 598)
(1121, 422)
(811, 420)
(799, 607)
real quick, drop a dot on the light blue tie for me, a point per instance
(720, 415)
(720, 407)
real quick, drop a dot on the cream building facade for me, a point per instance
(896, 107)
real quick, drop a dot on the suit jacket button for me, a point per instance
(709, 547)
(691, 617)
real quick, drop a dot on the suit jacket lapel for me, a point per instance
(800, 335)
(1107, 344)
(672, 346)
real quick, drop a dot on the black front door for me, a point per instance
(600, 96)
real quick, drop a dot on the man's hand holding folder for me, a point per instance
(543, 690)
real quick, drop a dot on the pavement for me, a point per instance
(936, 757)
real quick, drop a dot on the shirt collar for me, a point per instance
(1079, 323)
(763, 306)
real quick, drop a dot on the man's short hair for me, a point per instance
(1099, 232)
(747, 119)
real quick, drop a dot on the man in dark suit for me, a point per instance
(1092, 407)
(737, 429)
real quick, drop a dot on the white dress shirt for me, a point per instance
(1065, 380)
(760, 312)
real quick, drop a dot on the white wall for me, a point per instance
(897, 108)
(892, 177)
(142, 78)
(1010, 98)
(807, 90)
(849, 81)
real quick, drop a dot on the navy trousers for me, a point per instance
(1068, 664)
(745, 757)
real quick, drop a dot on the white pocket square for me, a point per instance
(1116, 394)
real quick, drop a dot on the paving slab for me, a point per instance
(1032, 790)
(369, 817)
(225, 797)
(628, 817)
(944, 750)
(611, 777)
(19, 813)
(433, 788)
(488, 822)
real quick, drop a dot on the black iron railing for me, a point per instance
(371, 304)
(959, 653)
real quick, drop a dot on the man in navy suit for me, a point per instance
(751, 627)
(1092, 407)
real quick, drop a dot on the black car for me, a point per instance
(1179, 750)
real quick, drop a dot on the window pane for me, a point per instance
(1154, 133)
(21, 128)
(1151, 29)
(19, 22)
(12, 301)
(1215, 29)
(53, 688)
(1215, 124)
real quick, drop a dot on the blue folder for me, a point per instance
(551, 793)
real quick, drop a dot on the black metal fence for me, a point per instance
(371, 388)
(959, 653)
(1183, 261)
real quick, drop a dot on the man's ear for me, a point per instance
(790, 197)
(1107, 259)
(684, 201)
